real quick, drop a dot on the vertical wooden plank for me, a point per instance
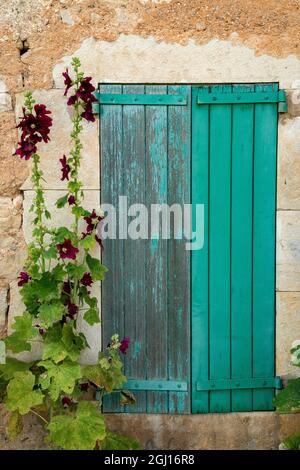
(135, 322)
(219, 249)
(179, 159)
(112, 171)
(265, 143)
(241, 248)
(199, 261)
(157, 262)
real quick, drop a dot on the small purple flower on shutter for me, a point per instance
(67, 250)
(65, 168)
(67, 81)
(23, 278)
(124, 344)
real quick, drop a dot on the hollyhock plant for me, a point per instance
(54, 289)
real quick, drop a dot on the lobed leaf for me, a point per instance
(80, 431)
(97, 269)
(20, 393)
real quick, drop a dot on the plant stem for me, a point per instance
(39, 416)
(38, 206)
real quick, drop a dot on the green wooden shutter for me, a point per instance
(233, 277)
(145, 155)
(212, 145)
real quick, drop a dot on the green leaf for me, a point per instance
(20, 394)
(39, 291)
(51, 253)
(51, 313)
(110, 378)
(75, 271)
(34, 271)
(88, 242)
(292, 442)
(80, 431)
(62, 233)
(12, 366)
(59, 377)
(62, 201)
(115, 441)
(91, 316)
(23, 332)
(47, 214)
(97, 269)
(59, 272)
(288, 400)
(127, 398)
(78, 211)
(61, 342)
(14, 425)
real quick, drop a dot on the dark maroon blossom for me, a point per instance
(67, 401)
(72, 100)
(36, 127)
(66, 288)
(86, 89)
(67, 250)
(67, 81)
(72, 309)
(23, 278)
(84, 387)
(65, 168)
(99, 241)
(92, 221)
(124, 344)
(87, 114)
(26, 148)
(71, 200)
(87, 280)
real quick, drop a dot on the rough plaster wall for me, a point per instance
(196, 41)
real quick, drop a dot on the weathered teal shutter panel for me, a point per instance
(233, 277)
(211, 145)
(145, 155)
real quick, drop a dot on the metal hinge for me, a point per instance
(236, 384)
(254, 97)
(138, 99)
(154, 386)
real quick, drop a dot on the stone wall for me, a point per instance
(174, 41)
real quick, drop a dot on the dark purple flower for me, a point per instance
(88, 114)
(124, 344)
(67, 401)
(85, 386)
(72, 100)
(67, 81)
(23, 278)
(41, 331)
(72, 309)
(65, 168)
(67, 250)
(71, 200)
(85, 91)
(92, 221)
(99, 241)
(87, 280)
(66, 288)
(36, 127)
(26, 148)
